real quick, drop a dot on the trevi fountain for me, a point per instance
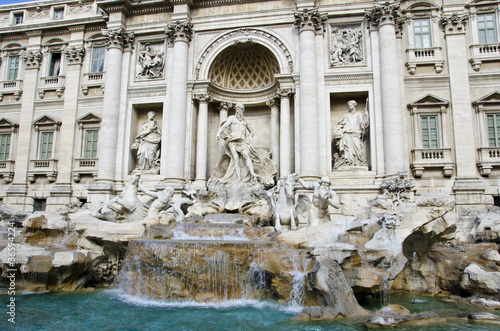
(246, 252)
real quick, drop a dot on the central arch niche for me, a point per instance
(244, 66)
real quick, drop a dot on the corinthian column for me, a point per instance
(116, 40)
(179, 34)
(308, 22)
(202, 139)
(383, 16)
(285, 133)
(275, 130)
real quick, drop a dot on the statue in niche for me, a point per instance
(323, 196)
(125, 208)
(345, 46)
(150, 62)
(147, 144)
(161, 200)
(349, 133)
(242, 162)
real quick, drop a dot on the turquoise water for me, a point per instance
(113, 310)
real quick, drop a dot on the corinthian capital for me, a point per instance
(179, 31)
(309, 20)
(117, 38)
(32, 59)
(454, 23)
(383, 13)
(74, 55)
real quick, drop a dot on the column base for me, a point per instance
(469, 191)
(100, 191)
(17, 197)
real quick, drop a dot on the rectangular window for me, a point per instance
(494, 130)
(98, 59)
(12, 67)
(55, 64)
(58, 13)
(487, 28)
(91, 144)
(39, 204)
(46, 145)
(18, 18)
(422, 32)
(4, 146)
(430, 137)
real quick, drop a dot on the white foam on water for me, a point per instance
(120, 295)
(238, 235)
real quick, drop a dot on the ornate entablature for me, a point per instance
(242, 35)
(346, 45)
(117, 38)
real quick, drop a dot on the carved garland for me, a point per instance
(74, 55)
(245, 32)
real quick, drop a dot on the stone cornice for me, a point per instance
(179, 31)
(383, 13)
(309, 20)
(29, 28)
(351, 78)
(115, 6)
(454, 23)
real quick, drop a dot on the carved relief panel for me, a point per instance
(150, 60)
(346, 45)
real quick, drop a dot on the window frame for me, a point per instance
(9, 68)
(51, 64)
(495, 28)
(5, 151)
(94, 150)
(430, 139)
(93, 59)
(428, 33)
(58, 9)
(15, 15)
(42, 125)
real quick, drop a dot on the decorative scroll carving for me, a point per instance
(117, 38)
(383, 13)
(248, 33)
(32, 59)
(454, 23)
(74, 55)
(273, 102)
(346, 46)
(309, 20)
(202, 97)
(286, 92)
(179, 31)
(39, 13)
(150, 61)
(80, 8)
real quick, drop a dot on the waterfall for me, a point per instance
(299, 271)
(385, 296)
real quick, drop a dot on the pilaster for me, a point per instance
(285, 132)
(201, 139)
(273, 103)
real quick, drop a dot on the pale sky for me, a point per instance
(10, 2)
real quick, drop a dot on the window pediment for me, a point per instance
(46, 121)
(429, 102)
(492, 99)
(89, 119)
(7, 124)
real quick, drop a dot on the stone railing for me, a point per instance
(424, 56)
(7, 170)
(46, 168)
(427, 158)
(13, 87)
(93, 79)
(488, 157)
(85, 166)
(485, 52)
(53, 83)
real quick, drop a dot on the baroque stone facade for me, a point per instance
(79, 78)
